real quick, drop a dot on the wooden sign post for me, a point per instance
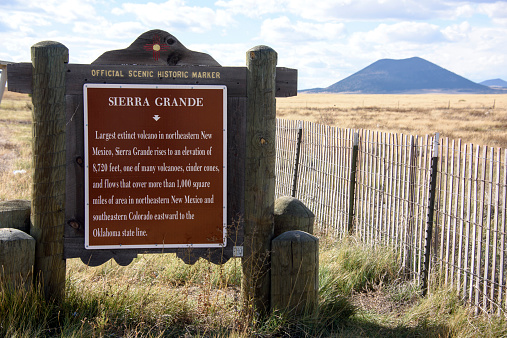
(159, 141)
(3, 78)
(260, 176)
(48, 150)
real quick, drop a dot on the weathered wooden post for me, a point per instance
(259, 176)
(296, 161)
(352, 186)
(295, 273)
(294, 258)
(411, 184)
(292, 214)
(3, 78)
(17, 253)
(15, 214)
(430, 215)
(48, 197)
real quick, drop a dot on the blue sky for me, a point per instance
(326, 40)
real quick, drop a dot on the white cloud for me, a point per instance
(105, 29)
(496, 11)
(457, 32)
(324, 10)
(252, 8)
(282, 31)
(407, 32)
(476, 65)
(63, 11)
(464, 11)
(176, 15)
(366, 9)
(15, 46)
(16, 20)
(227, 54)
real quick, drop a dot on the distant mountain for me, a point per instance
(413, 75)
(495, 83)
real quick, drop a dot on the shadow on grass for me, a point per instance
(359, 326)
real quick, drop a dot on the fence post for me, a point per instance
(259, 177)
(3, 80)
(352, 187)
(291, 214)
(15, 214)
(17, 254)
(296, 162)
(431, 211)
(48, 196)
(407, 254)
(295, 273)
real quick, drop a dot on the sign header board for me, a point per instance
(156, 170)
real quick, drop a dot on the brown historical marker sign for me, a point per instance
(155, 173)
(154, 63)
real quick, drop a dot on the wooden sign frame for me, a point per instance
(133, 66)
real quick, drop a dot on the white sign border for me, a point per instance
(87, 178)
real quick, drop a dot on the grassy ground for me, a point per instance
(361, 292)
(159, 296)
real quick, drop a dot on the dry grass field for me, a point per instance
(159, 296)
(15, 146)
(477, 119)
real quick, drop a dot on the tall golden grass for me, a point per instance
(15, 146)
(477, 119)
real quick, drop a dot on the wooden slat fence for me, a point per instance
(472, 215)
(391, 201)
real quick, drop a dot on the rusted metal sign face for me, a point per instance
(155, 166)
